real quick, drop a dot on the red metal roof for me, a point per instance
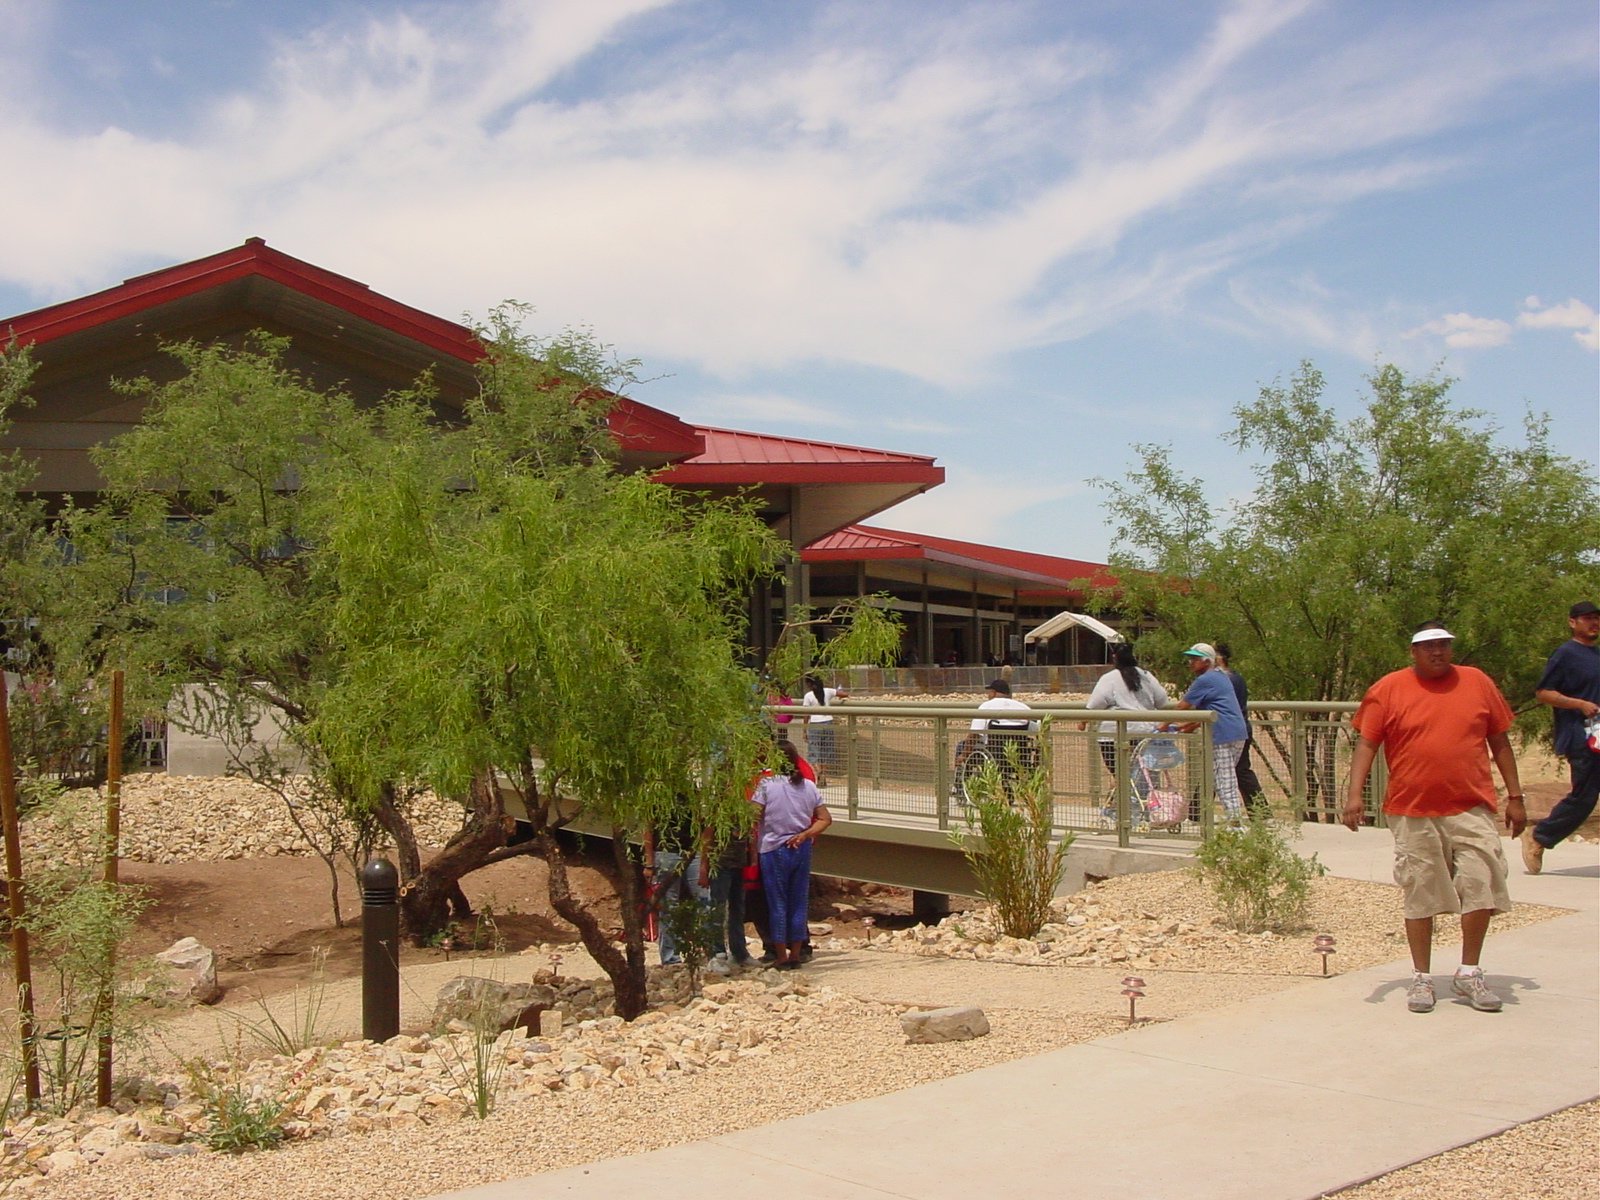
(637, 426)
(733, 456)
(857, 542)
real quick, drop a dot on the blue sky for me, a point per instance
(1016, 236)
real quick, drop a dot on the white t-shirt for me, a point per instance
(809, 700)
(1001, 702)
(1111, 691)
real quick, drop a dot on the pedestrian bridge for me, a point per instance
(889, 779)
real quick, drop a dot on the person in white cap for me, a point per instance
(1438, 725)
(1213, 690)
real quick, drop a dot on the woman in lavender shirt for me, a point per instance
(792, 815)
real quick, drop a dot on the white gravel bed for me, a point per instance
(1557, 1158)
(823, 1049)
(175, 818)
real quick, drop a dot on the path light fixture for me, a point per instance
(555, 965)
(1133, 989)
(1323, 945)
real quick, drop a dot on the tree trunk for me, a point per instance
(398, 828)
(433, 895)
(625, 968)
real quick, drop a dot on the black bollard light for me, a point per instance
(380, 950)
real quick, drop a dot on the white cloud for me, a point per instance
(1574, 315)
(923, 200)
(1463, 331)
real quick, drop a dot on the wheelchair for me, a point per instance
(1010, 745)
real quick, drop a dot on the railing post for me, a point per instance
(852, 785)
(941, 770)
(380, 950)
(1122, 784)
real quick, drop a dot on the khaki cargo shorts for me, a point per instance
(1450, 864)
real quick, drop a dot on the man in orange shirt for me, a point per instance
(1434, 721)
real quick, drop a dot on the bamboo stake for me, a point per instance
(23, 969)
(103, 1004)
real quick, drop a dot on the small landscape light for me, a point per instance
(1133, 989)
(1323, 945)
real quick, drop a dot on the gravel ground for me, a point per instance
(1557, 1158)
(840, 1040)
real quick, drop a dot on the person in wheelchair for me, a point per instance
(1009, 742)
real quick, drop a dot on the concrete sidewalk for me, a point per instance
(1280, 1097)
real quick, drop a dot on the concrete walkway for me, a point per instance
(1277, 1097)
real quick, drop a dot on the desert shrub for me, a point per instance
(241, 1118)
(293, 1024)
(1258, 880)
(1010, 841)
(76, 923)
(696, 931)
(475, 1060)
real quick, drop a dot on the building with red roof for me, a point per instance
(957, 596)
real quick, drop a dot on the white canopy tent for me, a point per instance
(1063, 621)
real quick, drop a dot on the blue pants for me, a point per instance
(678, 879)
(786, 876)
(1573, 809)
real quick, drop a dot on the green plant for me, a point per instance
(300, 1027)
(695, 930)
(475, 1060)
(240, 1118)
(1010, 840)
(76, 923)
(1258, 880)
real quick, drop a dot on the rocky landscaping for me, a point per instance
(394, 1119)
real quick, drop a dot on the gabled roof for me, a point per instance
(1048, 574)
(254, 284)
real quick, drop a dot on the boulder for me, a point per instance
(477, 1002)
(192, 972)
(959, 1024)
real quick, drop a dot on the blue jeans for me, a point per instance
(676, 877)
(1573, 809)
(786, 876)
(820, 742)
(727, 900)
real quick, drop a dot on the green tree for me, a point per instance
(566, 639)
(484, 606)
(1356, 532)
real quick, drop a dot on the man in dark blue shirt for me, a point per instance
(1571, 686)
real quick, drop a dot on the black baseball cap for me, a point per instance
(1583, 608)
(999, 685)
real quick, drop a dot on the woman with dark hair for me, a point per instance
(1128, 686)
(819, 726)
(792, 815)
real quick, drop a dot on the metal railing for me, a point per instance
(895, 762)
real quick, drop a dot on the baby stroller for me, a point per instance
(1154, 761)
(1154, 800)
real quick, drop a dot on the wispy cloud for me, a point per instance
(975, 507)
(924, 197)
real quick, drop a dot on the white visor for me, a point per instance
(1432, 635)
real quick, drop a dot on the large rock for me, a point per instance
(192, 972)
(475, 1002)
(959, 1024)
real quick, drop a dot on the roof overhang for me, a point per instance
(808, 488)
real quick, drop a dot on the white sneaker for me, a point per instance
(1469, 983)
(718, 965)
